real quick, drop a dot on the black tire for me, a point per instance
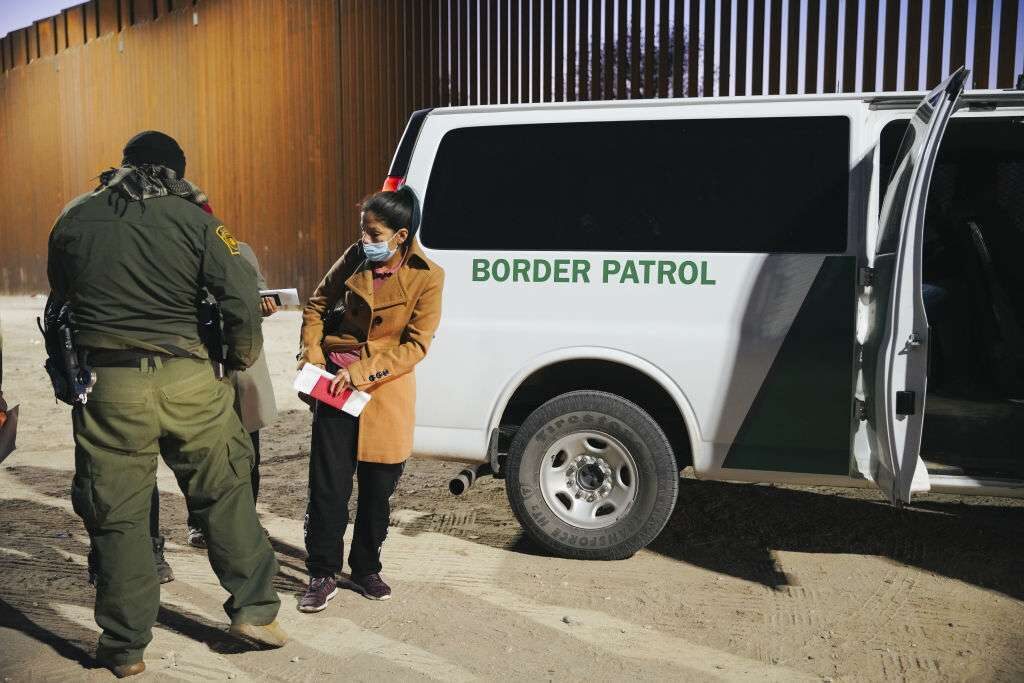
(657, 477)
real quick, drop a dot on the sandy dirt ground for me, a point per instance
(746, 582)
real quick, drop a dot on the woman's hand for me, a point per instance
(341, 381)
(268, 306)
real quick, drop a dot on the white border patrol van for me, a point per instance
(637, 287)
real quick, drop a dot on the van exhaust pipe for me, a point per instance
(466, 478)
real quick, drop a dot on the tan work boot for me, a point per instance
(126, 670)
(270, 635)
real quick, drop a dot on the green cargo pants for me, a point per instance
(180, 410)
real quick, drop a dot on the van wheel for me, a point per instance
(591, 476)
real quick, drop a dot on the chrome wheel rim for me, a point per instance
(589, 480)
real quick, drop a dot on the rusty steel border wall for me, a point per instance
(289, 111)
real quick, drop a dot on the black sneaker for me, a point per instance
(196, 538)
(92, 568)
(320, 590)
(373, 587)
(163, 570)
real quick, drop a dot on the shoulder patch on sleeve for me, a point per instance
(228, 239)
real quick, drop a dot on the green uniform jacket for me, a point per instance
(132, 272)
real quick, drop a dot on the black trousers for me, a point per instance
(332, 466)
(154, 504)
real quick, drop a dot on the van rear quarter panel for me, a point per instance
(715, 339)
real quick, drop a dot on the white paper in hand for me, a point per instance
(315, 382)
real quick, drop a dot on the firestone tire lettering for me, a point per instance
(657, 479)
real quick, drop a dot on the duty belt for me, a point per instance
(129, 358)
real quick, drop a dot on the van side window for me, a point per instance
(768, 185)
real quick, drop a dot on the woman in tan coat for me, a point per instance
(382, 303)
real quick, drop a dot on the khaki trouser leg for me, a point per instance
(211, 455)
(115, 472)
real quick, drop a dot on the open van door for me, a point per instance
(896, 355)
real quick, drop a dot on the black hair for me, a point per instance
(396, 209)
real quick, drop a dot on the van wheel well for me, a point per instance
(596, 375)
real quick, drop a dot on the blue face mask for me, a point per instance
(378, 252)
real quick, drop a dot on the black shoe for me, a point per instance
(196, 538)
(373, 587)
(320, 590)
(163, 570)
(93, 571)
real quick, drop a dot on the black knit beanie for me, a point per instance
(154, 147)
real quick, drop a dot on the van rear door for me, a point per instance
(896, 352)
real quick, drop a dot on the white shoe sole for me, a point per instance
(321, 608)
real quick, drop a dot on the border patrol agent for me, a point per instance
(131, 258)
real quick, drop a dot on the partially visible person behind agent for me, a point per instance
(254, 395)
(3, 403)
(390, 293)
(131, 258)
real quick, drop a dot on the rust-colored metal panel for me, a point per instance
(758, 57)
(812, 66)
(913, 41)
(649, 56)
(473, 38)
(4, 54)
(678, 49)
(831, 10)
(1007, 42)
(870, 47)
(446, 69)
(724, 48)
(596, 85)
(958, 36)
(19, 46)
(143, 10)
(890, 58)
(571, 88)
(792, 56)
(492, 50)
(850, 48)
(535, 52)
(74, 19)
(559, 64)
(936, 44)
(774, 48)
(982, 44)
(584, 51)
(635, 49)
(708, 74)
(108, 16)
(513, 52)
(524, 47)
(46, 37)
(548, 72)
(60, 32)
(92, 20)
(664, 73)
(608, 50)
(594, 67)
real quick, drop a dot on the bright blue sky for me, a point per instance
(20, 13)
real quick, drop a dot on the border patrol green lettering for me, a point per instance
(581, 271)
(562, 270)
(666, 269)
(503, 264)
(647, 271)
(629, 271)
(682, 272)
(537, 277)
(481, 270)
(704, 279)
(610, 268)
(520, 270)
